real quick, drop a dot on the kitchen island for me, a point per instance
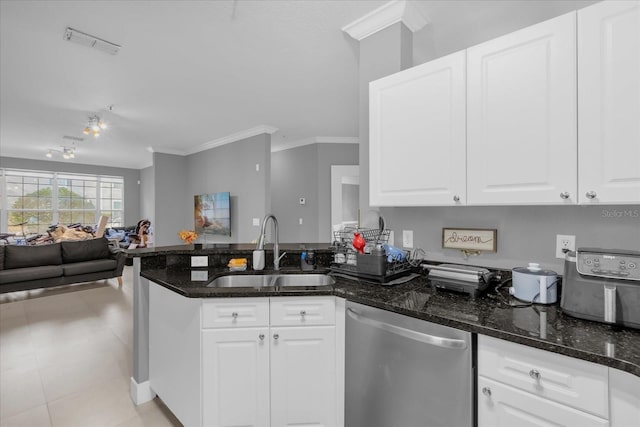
(541, 327)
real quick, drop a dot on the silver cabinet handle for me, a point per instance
(303, 313)
(407, 333)
(534, 374)
(486, 391)
(276, 336)
(456, 198)
(591, 194)
(234, 315)
(564, 195)
(261, 336)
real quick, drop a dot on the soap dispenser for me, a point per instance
(307, 260)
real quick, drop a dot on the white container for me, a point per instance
(533, 284)
(258, 260)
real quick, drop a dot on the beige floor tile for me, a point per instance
(35, 417)
(99, 346)
(10, 310)
(77, 340)
(156, 414)
(105, 405)
(62, 380)
(132, 422)
(18, 362)
(20, 391)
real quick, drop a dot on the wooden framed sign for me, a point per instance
(470, 239)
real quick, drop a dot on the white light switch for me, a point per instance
(300, 221)
(256, 222)
(257, 167)
(407, 239)
(200, 261)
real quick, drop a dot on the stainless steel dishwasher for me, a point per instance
(406, 372)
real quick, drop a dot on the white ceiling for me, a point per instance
(192, 72)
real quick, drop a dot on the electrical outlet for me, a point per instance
(407, 239)
(564, 243)
(256, 222)
(391, 240)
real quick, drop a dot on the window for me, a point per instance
(36, 200)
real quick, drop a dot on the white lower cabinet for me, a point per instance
(523, 386)
(303, 376)
(500, 405)
(235, 377)
(247, 361)
(624, 392)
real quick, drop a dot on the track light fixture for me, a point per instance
(66, 153)
(94, 126)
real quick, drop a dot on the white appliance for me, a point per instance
(535, 285)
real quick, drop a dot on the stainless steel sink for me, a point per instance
(263, 280)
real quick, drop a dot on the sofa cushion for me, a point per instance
(87, 267)
(85, 250)
(16, 256)
(30, 273)
(1, 257)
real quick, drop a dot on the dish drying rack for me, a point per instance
(345, 260)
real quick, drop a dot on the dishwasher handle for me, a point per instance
(450, 343)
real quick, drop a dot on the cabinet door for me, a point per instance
(624, 390)
(235, 377)
(503, 406)
(417, 135)
(521, 116)
(303, 376)
(609, 102)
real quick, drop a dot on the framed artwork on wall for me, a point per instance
(212, 214)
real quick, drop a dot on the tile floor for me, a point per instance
(65, 358)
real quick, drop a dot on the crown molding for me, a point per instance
(386, 15)
(316, 140)
(165, 150)
(244, 134)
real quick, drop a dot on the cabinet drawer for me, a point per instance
(563, 379)
(295, 311)
(235, 312)
(500, 405)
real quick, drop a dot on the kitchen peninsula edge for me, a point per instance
(542, 327)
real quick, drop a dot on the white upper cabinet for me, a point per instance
(609, 102)
(521, 116)
(417, 135)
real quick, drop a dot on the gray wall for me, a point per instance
(147, 195)
(232, 167)
(170, 198)
(525, 233)
(131, 177)
(306, 172)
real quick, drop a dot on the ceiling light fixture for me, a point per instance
(94, 126)
(66, 153)
(85, 39)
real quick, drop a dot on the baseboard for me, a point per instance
(141, 393)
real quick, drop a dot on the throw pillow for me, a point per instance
(16, 256)
(85, 250)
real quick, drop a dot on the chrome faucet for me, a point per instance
(276, 249)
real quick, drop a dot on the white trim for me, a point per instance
(244, 134)
(316, 140)
(165, 150)
(386, 15)
(141, 393)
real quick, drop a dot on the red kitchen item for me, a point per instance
(359, 242)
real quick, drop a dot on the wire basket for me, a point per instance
(377, 268)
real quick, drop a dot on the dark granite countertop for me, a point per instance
(543, 327)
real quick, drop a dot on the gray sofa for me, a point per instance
(33, 267)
